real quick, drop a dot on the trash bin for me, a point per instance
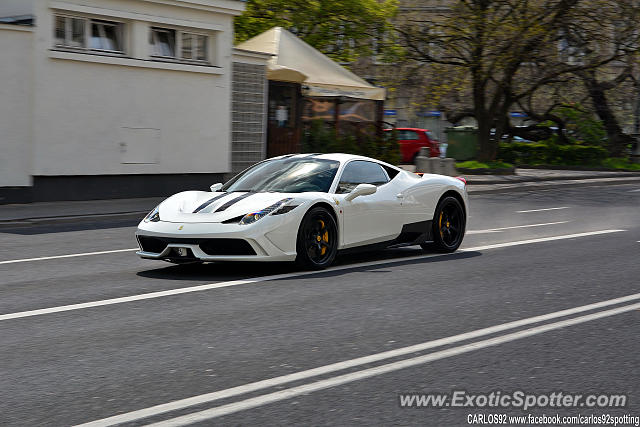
(463, 142)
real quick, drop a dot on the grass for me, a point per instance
(473, 164)
(618, 163)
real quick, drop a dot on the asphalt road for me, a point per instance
(74, 348)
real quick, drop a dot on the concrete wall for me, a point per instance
(16, 81)
(98, 114)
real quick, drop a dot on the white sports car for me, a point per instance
(307, 207)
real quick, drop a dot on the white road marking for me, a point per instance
(12, 261)
(543, 210)
(634, 191)
(331, 382)
(497, 230)
(199, 288)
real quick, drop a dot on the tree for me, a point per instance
(625, 38)
(343, 30)
(512, 52)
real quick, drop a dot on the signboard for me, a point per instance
(390, 112)
(430, 114)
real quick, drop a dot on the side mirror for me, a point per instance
(361, 190)
(215, 187)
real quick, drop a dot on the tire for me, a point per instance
(448, 226)
(317, 241)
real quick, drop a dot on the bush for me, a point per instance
(520, 153)
(319, 137)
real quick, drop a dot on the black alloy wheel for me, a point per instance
(317, 242)
(449, 224)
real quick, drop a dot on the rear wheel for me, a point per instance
(448, 225)
(317, 242)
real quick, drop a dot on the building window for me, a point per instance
(105, 35)
(89, 34)
(163, 42)
(179, 45)
(70, 31)
(194, 46)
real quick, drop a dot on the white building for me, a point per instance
(115, 98)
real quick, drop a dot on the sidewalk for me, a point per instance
(20, 215)
(16, 215)
(546, 178)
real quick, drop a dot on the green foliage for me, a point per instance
(321, 138)
(318, 138)
(620, 163)
(389, 148)
(342, 29)
(473, 164)
(581, 125)
(521, 153)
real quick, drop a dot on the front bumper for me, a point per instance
(270, 239)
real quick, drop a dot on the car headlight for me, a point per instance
(277, 208)
(154, 215)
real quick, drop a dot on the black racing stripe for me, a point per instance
(208, 202)
(233, 201)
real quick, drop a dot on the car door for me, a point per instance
(367, 219)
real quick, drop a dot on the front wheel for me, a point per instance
(448, 225)
(317, 242)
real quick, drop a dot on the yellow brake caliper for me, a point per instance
(325, 238)
(440, 225)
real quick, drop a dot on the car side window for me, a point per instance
(408, 135)
(361, 172)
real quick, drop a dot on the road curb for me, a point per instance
(72, 219)
(549, 184)
(471, 182)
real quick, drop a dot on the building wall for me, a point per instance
(97, 115)
(16, 61)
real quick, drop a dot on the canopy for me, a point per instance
(296, 61)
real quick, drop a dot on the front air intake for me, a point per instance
(211, 247)
(152, 244)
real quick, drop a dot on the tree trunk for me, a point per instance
(486, 149)
(486, 145)
(618, 140)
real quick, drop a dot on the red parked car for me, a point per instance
(411, 140)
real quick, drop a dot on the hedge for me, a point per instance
(520, 153)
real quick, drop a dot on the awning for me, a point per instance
(324, 77)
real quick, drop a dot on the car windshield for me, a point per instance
(286, 175)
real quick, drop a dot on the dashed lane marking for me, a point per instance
(543, 210)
